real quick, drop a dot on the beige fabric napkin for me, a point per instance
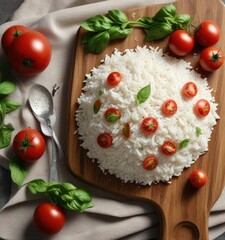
(113, 217)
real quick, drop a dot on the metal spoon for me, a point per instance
(41, 103)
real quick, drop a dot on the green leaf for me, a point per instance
(97, 105)
(166, 12)
(2, 113)
(183, 143)
(198, 131)
(18, 171)
(98, 42)
(81, 195)
(143, 94)
(10, 105)
(117, 16)
(7, 87)
(145, 22)
(158, 31)
(37, 186)
(66, 198)
(66, 187)
(6, 135)
(97, 23)
(116, 32)
(182, 21)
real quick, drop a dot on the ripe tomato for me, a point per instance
(49, 218)
(169, 148)
(198, 178)
(150, 163)
(202, 108)
(149, 125)
(30, 53)
(104, 140)
(207, 34)
(169, 107)
(112, 115)
(10, 34)
(181, 43)
(29, 145)
(211, 59)
(189, 90)
(114, 78)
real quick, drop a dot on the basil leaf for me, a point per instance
(7, 87)
(66, 198)
(37, 186)
(18, 171)
(86, 205)
(146, 22)
(116, 32)
(198, 131)
(97, 23)
(10, 105)
(65, 187)
(81, 195)
(97, 42)
(2, 114)
(117, 16)
(183, 143)
(97, 105)
(5, 135)
(168, 11)
(158, 31)
(111, 117)
(182, 21)
(73, 205)
(143, 94)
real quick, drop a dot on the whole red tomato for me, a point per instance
(198, 178)
(211, 59)
(30, 53)
(181, 43)
(29, 145)
(207, 34)
(10, 35)
(49, 218)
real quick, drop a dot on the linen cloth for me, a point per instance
(113, 217)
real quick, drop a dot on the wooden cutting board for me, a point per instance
(184, 211)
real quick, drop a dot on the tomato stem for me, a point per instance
(27, 62)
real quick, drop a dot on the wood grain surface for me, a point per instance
(184, 211)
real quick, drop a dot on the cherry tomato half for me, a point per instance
(211, 59)
(112, 115)
(149, 125)
(169, 107)
(29, 145)
(169, 148)
(30, 53)
(49, 218)
(198, 178)
(104, 140)
(150, 163)
(114, 78)
(181, 42)
(126, 132)
(189, 90)
(202, 108)
(207, 34)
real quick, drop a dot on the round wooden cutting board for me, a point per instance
(184, 211)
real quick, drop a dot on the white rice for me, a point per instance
(167, 76)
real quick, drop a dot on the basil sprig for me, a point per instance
(115, 25)
(6, 106)
(63, 194)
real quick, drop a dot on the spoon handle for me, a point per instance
(54, 176)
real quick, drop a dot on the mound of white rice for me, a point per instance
(167, 76)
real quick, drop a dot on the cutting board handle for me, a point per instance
(181, 227)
